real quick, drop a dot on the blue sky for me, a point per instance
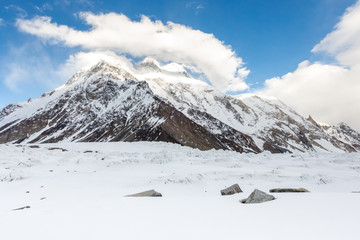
(271, 37)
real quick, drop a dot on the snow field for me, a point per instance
(84, 193)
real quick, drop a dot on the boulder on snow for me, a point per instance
(57, 148)
(231, 190)
(22, 208)
(34, 146)
(282, 190)
(150, 193)
(258, 196)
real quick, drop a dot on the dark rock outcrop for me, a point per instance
(284, 190)
(21, 208)
(231, 190)
(103, 108)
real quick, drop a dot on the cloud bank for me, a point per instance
(330, 93)
(165, 42)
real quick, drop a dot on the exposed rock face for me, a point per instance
(343, 132)
(231, 190)
(8, 110)
(104, 107)
(258, 196)
(284, 190)
(150, 193)
(151, 103)
(283, 130)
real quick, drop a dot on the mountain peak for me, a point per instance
(310, 119)
(101, 64)
(154, 102)
(151, 61)
(108, 102)
(148, 65)
(103, 67)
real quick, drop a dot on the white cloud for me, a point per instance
(165, 42)
(344, 41)
(331, 93)
(2, 22)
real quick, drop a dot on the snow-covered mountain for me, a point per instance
(163, 103)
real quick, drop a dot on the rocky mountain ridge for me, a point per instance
(163, 103)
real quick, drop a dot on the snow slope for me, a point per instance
(79, 193)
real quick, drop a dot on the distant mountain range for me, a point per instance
(163, 103)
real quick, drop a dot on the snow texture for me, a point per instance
(76, 191)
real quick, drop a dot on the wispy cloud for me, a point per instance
(82, 3)
(330, 92)
(86, 2)
(165, 42)
(196, 6)
(20, 12)
(2, 22)
(44, 7)
(200, 6)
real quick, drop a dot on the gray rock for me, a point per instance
(282, 190)
(57, 148)
(22, 208)
(34, 146)
(258, 196)
(231, 190)
(150, 193)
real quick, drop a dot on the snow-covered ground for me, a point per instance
(79, 193)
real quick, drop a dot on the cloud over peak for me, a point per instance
(165, 42)
(328, 92)
(343, 42)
